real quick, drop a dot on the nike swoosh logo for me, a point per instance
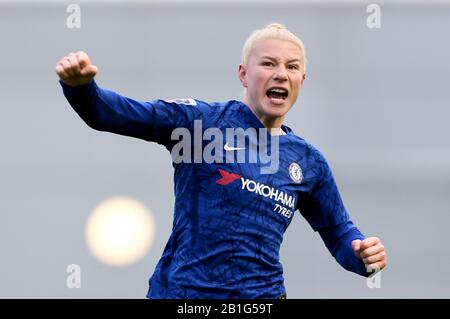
(228, 148)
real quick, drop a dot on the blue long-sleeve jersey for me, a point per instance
(229, 219)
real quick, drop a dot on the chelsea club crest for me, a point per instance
(295, 172)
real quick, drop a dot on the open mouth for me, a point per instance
(277, 94)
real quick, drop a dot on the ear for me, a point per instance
(243, 75)
(303, 79)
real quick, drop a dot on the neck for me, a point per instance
(272, 124)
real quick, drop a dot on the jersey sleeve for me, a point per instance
(338, 239)
(324, 210)
(322, 206)
(154, 121)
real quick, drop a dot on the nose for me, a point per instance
(280, 73)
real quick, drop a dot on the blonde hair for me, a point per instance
(272, 31)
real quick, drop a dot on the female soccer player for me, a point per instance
(230, 217)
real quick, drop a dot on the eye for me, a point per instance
(293, 67)
(267, 63)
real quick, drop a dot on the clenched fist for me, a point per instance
(371, 252)
(76, 69)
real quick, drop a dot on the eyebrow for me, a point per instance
(273, 59)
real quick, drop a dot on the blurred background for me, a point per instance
(375, 102)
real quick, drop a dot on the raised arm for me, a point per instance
(102, 109)
(109, 111)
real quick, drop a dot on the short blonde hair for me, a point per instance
(272, 31)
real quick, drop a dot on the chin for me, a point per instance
(276, 113)
(277, 110)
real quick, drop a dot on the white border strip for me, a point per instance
(225, 2)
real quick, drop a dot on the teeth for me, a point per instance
(278, 90)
